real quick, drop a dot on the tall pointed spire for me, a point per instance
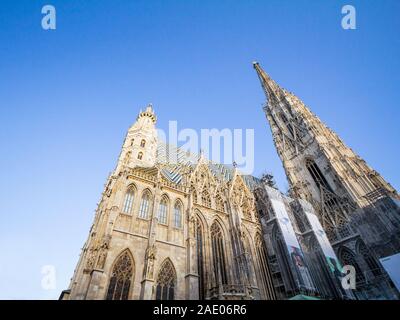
(271, 88)
(319, 166)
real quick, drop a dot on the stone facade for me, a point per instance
(172, 230)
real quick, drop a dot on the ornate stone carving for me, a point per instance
(91, 260)
(103, 249)
(150, 257)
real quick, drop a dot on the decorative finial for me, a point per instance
(149, 112)
(149, 107)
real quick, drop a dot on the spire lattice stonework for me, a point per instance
(319, 166)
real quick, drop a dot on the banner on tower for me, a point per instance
(292, 244)
(324, 243)
(391, 265)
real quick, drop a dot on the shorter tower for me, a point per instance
(140, 145)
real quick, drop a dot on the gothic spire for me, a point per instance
(314, 157)
(271, 88)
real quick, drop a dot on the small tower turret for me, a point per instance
(140, 145)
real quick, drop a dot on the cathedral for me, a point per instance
(187, 230)
(194, 229)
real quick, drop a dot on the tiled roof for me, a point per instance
(175, 161)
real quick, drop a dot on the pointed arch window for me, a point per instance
(132, 141)
(205, 199)
(163, 211)
(218, 250)
(200, 259)
(140, 155)
(178, 215)
(369, 259)
(128, 201)
(144, 205)
(347, 258)
(143, 143)
(317, 175)
(166, 282)
(121, 277)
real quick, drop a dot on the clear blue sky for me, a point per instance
(69, 95)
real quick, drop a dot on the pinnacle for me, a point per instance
(149, 108)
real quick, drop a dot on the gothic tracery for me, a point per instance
(166, 282)
(121, 278)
